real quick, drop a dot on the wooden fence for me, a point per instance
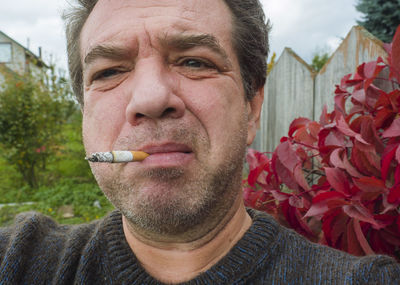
(293, 90)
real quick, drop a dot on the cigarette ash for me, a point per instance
(100, 157)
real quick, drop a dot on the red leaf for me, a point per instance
(397, 175)
(338, 180)
(393, 130)
(369, 133)
(255, 158)
(280, 196)
(324, 202)
(353, 246)
(314, 129)
(340, 103)
(364, 162)
(339, 227)
(387, 207)
(304, 137)
(297, 124)
(329, 195)
(317, 210)
(345, 129)
(285, 175)
(257, 163)
(395, 60)
(361, 238)
(387, 160)
(344, 81)
(350, 168)
(358, 211)
(391, 237)
(296, 201)
(398, 223)
(370, 184)
(299, 177)
(335, 158)
(295, 220)
(398, 155)
(372, 69)
(394, 195)
(324, 119)
(287, 156)
(359, 96)
(258, 200)
(372, 95)
(388, 48)
(383, 118)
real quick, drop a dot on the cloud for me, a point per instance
(307, 25)
(37, 24)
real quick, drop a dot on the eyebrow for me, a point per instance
(179, 42)
(182, 42)
(106, 51)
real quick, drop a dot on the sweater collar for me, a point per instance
(239, 264)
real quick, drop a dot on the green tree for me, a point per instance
(319, 60)
(271, 63)
(381, 17)
(33, 109)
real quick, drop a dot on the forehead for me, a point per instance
(115, 20)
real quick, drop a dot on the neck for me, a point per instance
(164, 260)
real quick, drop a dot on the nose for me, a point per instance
(152, 93)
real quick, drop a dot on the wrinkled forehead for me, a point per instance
(112, 19)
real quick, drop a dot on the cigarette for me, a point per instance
(117, 156)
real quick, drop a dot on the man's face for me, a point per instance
(162, 77)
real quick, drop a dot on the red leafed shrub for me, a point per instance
(337, 181)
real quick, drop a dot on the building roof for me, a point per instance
(39, 60)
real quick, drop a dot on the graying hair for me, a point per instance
(250, 41)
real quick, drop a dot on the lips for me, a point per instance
(166, 148)
(167, 155)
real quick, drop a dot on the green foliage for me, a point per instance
(40, 131)
(381, 17)
(68, 161)
(86, 199)
(271, 63)
(319, 61)
(33, 109)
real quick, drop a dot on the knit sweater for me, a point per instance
(36, 250)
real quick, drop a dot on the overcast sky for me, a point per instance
(303, 25)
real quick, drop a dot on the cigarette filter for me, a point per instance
(117, 156)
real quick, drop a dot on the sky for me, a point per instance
(306, 26)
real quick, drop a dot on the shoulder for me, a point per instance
(34, 228)
(311, 262)
(35, 247)
(33, 232)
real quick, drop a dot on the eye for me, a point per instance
(197, 63)
(106, 74)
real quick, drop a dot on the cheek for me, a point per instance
(219, 108)
(103, 119)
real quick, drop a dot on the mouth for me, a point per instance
(167, 155)
(166, 148)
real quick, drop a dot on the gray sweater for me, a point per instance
(36, 250)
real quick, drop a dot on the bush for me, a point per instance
(33, 109)
(337, 181)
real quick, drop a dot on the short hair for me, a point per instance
(249, 40)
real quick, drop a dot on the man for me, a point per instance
(182, 81)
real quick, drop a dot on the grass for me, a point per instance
(87, 201)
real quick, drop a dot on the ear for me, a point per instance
(254, 110)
